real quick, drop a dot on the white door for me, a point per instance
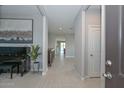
(94, 51)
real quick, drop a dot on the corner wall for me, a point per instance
(79, 29)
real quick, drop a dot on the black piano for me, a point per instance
(14, 59)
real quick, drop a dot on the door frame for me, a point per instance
(56, 40)
(103, 39)
(102, 48)
(60, 41)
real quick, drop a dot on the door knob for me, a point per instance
(91, 54)
(107, 75)
(108, 63)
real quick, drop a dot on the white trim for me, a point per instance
(40, 69)
(86, 77)
(83, 78)
(70, 56)
(44, 72)
(102, 44)
(31, 70)
(45, 45)
(83, 50)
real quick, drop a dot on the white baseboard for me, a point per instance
(33, 70)
(81, 77)
(69, 56)
(84, 78)
(44, 72)
(41, 70)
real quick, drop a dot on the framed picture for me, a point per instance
(16, 30)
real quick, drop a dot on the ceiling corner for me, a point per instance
(41, 9)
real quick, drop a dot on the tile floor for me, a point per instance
(62, 74)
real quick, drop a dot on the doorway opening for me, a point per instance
(61, 48)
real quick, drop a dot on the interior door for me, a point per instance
(114, 76)
(94, 50)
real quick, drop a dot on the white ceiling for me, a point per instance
(61, 16)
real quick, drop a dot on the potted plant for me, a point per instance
(34, 53)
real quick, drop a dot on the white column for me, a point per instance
(45, 45)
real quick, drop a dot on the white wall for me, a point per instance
(26, 12)
(70, 45)
(79, 29)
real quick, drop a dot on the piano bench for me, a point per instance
(9, 67)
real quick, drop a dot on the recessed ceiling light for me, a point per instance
(60, 28)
